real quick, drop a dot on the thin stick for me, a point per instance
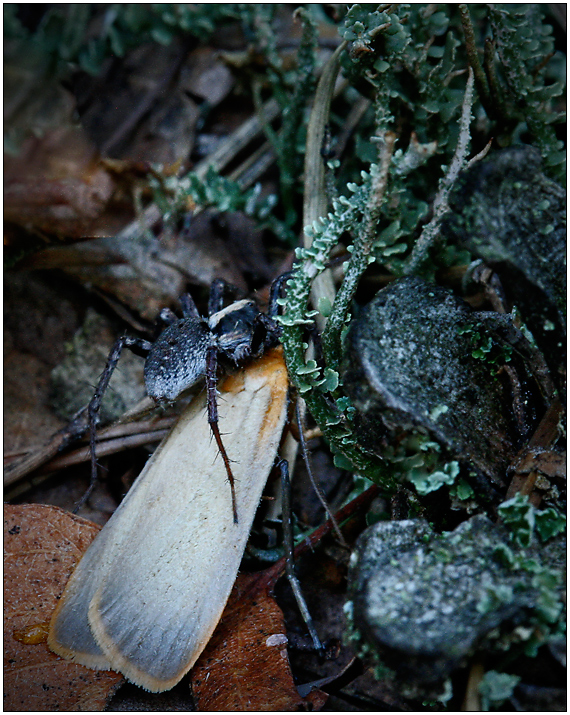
(481, 155)
(315, 198)
(496, 90)
(472, 699)
(473, 57)
(440, 204)
(354, 116)
(219, 159)
(273, 573)
(35, 458)
(104, 449)
(360, 256)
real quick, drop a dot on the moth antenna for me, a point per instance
(289, 559)
(319, 492)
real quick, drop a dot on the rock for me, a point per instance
(419, 358)
(425, 602)
(505, 211)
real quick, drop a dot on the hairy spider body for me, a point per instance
(178, 359)
(188, 351)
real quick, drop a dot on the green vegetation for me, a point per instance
(444, 83)
(65, 34)
(402, 56)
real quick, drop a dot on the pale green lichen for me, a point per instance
(526, 522)
(495, 688)
(427, 603)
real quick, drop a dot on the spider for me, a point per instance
(189, 350)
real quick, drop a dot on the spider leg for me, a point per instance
(189, 309)
(218, 290)
(275, 293)
(167, 317)
(216, 299)
(211, 383)
(139, 347)
(316, 486)
(289, 562)
(266, 332)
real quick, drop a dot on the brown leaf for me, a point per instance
(546, 461)
(55, 184)
(27, 418)
(42, 544)
(245, 666)
(129, 91)
(150, 272)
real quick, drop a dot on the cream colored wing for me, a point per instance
(148, 593)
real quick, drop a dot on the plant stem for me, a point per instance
(361, 255)
(473, 58)
(315, 198)
(440, 205)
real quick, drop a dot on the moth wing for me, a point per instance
(70, 634)
(167, 574)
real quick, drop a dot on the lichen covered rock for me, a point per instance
(425, 602)
(419, 358)
(505, 211)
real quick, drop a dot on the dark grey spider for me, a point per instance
(188, 351)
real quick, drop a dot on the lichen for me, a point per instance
(410, 61)
(71, 384)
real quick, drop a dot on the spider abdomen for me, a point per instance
(177, 360)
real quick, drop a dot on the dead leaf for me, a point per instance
(545, 461)
(27, 417)
(42, 544)
(55, 184)
(128, 91)
(151, 272)
(537, 457)
(167, 135)
(131, 271)
(206, 76)
(245, 666)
